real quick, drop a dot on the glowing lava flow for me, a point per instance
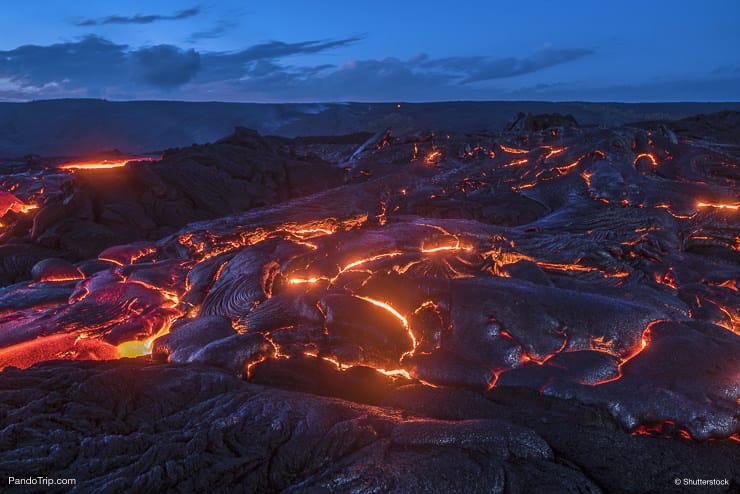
(511, 150)
(432, 157)
(9, 202)
(300, 281)
(395, 373)
(138, 348)
(553, 151)
(667, 429)
(456, 246)
(359, 262)
(94, 165)
(566, 168)
(397, 315)
(342, 270)
(520, 161)
(734, 207)
(205, 245)
(316, 266)
(650, 157)
(644, 341)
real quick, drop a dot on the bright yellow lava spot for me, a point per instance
(137, 348)
(134, 348)
(298, 281)
(27, 207)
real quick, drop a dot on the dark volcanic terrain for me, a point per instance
(72, 127)
(548, 308)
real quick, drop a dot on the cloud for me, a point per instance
(218, 66)
(700, 89)
(478, 69)
(218, 30)
(419, 78)
(388, 78)
(139, 18)
(278, 49)
(90, 62)
(96, 67)
(165, 65)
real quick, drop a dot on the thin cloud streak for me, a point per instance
(139, 18)
(218, 30)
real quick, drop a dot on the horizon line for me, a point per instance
(376, 102)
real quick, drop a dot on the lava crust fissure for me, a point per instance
(558, 263)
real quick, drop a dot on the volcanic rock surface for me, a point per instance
(542, 309)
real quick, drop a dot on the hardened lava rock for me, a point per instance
(132, 425)
(541, 309)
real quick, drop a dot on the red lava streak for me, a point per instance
(666, 429)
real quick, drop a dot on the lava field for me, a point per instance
(549, 308)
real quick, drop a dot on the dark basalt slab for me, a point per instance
(130, 425)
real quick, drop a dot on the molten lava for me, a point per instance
(432, 157)
(9, 202)
(94, 165)
(553, 151)
(650, 157)
(730, 206)
(512, 150)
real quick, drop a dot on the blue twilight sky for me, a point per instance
(241, 50)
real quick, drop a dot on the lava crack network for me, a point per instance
(591, 264)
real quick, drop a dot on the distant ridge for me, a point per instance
(74, 127)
